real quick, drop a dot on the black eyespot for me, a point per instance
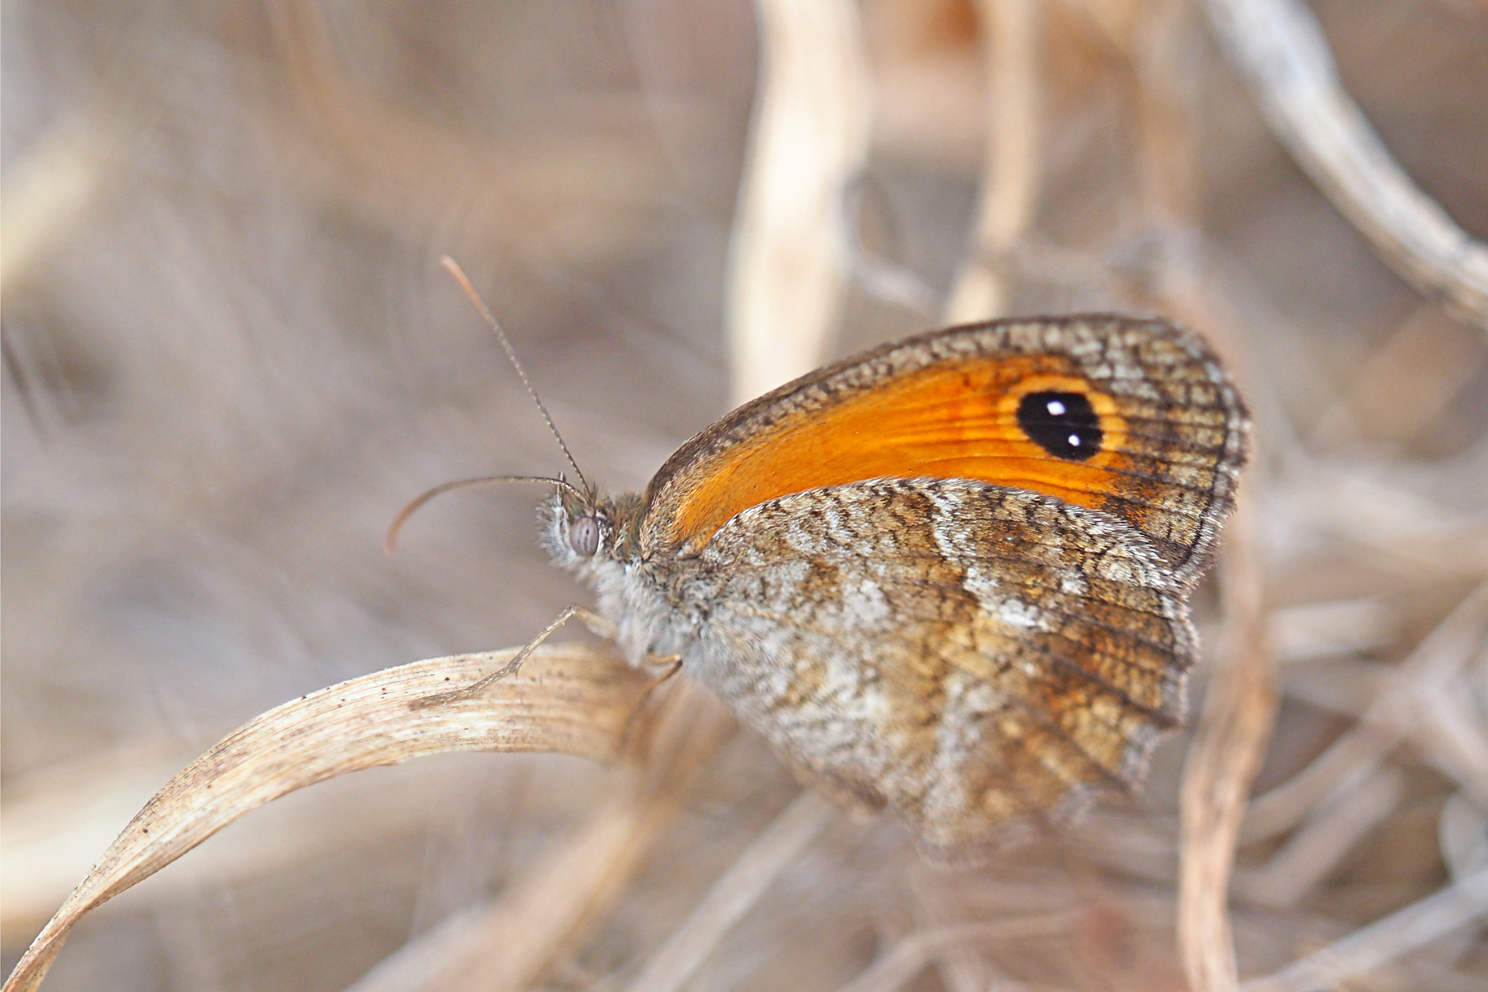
(1063, 424)
(583, 536)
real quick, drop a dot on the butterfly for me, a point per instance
(948, 577)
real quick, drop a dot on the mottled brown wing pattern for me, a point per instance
(972, 656)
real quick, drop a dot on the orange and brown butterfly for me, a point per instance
(948, 577)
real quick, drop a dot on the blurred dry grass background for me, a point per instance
(230, 356)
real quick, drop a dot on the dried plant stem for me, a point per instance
(569, 699)
(910, 956)
(1160, 50)
(1383, 940)
(1227, 751)
(1012, 42)
(1317, 848)
(962, 968)
(511, 944)
(1456, 738)
(1280, 49)
(1160, 45)
(1168, 173)
(1240, 707)
(50, 189)
(733, 894)
(1462, 836)
(1356, 753)
(809, 139)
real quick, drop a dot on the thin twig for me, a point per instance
(1169, 247)
(1383, 940)
(1282, 52)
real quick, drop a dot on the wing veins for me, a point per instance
(1158, 715)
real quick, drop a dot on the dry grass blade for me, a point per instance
(569, 699)
(1282, 52)
(1462, 834)
(56, 820)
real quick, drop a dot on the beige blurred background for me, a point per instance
(230, 356)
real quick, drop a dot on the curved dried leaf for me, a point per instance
(570, 699)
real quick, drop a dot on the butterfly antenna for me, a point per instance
(454, 269)
(390, 542)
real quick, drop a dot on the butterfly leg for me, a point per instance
(596, 623)
(673, 665)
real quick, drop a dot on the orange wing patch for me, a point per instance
(949, 420)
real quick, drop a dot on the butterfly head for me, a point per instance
(583, 526)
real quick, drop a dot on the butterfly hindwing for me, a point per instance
(970, 655)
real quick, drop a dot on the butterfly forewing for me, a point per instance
(1131, 417)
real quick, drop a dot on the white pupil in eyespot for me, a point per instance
(1074, 440)
(1056, 408)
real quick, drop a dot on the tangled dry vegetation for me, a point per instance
(230, 356)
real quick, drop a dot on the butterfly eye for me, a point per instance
(583, 536)
(1063, 424)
